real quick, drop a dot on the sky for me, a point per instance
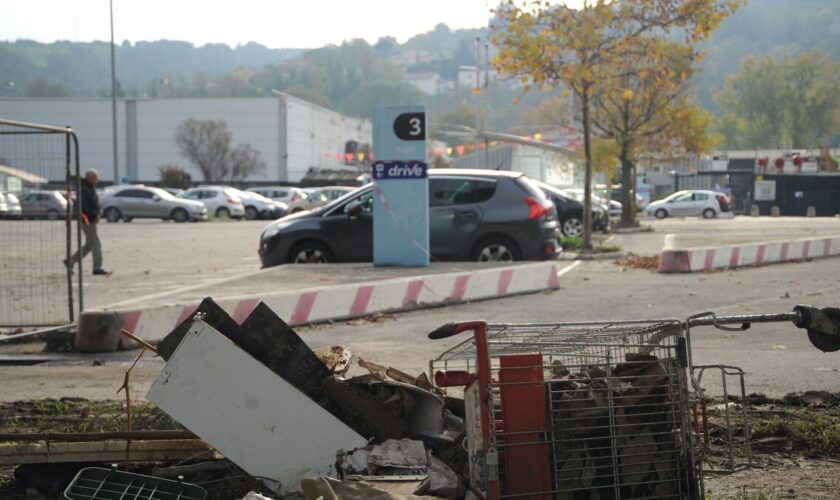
(273, 23)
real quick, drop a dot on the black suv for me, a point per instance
(570, 212)
(478, 215)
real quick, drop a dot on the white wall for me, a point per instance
(253, 121)
(91, 120)
(315, 135)
(551, 167)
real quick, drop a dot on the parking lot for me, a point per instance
(153, 257)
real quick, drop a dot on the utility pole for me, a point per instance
(114, 96)
(477, 92)
(486, 84)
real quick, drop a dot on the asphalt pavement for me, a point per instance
(152, 256)
(777, 357)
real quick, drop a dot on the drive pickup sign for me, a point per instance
(400, 170)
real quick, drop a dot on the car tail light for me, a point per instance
(231, 200)
(294, 198)
(538, 208)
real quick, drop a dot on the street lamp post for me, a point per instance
(114, 96)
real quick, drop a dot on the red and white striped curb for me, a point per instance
(753, 254)
(334, 302)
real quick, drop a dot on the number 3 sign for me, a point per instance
(410, 126)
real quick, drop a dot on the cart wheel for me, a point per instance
(823, 342)
(823, 326)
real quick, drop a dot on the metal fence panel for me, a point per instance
(37, 164)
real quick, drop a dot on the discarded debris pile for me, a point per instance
(282, 412)
(616, 431)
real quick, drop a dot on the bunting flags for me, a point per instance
(361, 157)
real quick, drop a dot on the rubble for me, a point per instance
(233, 384)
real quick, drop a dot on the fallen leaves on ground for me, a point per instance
(651, 263)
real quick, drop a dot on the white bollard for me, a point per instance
(754, 212)
(811, 212)
(774, 212)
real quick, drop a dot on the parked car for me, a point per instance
(4, 207)
(287, 194)
(221, 201)
(258, 206)
(137, 201)
(476, 215)
(686, 203)
(43, 204)
(570, 212)
(613, 192)
(577, 195)
(13, 209)
(724, 201)
(318, 197)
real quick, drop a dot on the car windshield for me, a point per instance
(549, 189)
(256, 196)
(164, 195)
(342, 199)
(234, 194)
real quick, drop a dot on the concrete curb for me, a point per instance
(692, 260)
(632, 230)
(99, 330)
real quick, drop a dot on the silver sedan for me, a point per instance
(137, 201)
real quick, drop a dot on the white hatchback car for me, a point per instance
(221, 201)
(686, 204)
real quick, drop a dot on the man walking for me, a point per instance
(90, 216)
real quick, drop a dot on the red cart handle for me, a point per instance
(450, 329)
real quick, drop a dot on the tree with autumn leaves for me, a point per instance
(626, 61)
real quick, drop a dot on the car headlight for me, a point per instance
(273, 229)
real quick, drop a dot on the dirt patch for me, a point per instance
(795, 448)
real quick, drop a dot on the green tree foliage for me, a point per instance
(781, 102)
(42, 88)
(767, 27)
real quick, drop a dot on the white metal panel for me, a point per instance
(254, 417)
(316, 135)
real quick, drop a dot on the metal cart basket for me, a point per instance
(588, 410)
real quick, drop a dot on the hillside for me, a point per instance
(354, 75)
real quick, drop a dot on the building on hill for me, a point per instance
(429, 83)
(292, 135)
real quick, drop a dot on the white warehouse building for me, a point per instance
(292, 135)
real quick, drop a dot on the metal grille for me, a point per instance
(36, 167)
(586, 410)
(97, 483)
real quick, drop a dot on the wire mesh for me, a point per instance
(97, 483)
(35, 231)
(596, 410)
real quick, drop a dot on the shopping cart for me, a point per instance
(589, 410)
